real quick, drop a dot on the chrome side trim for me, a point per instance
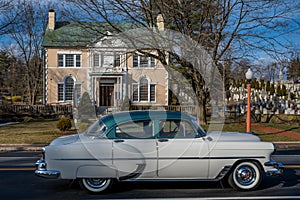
(223, 172)
(135, 174)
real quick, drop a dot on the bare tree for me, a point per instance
(5, 22)
(27, 33)
(294, 69)
(11, 75)
(242, 27)
(239, 68)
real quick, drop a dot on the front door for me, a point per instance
(134, 150)
(106, 95)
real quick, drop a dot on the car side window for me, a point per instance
(176, 129)
(134, 130)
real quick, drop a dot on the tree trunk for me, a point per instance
(201, 95)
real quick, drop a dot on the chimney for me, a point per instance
(51, 19)
(160, 22)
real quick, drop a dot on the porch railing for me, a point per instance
(66, 109)
(56, 109)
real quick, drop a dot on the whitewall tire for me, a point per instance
(96, 185)
(245, 176)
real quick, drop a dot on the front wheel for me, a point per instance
(96, 185)
(245, 176)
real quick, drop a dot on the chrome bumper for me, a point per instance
(277, 168)
(41, 170)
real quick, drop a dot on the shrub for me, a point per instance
(86, 107)
(16, 98)
(64, 124)
(126, 105)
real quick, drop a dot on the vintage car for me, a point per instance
(157, 146)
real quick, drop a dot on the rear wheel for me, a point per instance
(96, 185)
(245, 176)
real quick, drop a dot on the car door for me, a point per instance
(134, 150)
(182, 153)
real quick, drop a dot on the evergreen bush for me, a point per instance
(64, 124)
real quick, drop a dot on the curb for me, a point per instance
(280, 146)
(21, 147)
(285, 146)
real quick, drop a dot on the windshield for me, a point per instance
(97, 129)
(200, 130)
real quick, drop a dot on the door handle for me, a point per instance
(118, 141)
(163, 140)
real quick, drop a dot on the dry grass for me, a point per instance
(33, 132)
(44, 131)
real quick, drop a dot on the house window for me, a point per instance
(135, 89)
(69, 87)
(143, 61)
(143, 91)
(69, 60)
(66, 89)
(117, 61)
(97, 60)
(152, 92)
(109, 60)
(60, 92)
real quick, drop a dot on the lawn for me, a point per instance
(33, 132)
(44, 131)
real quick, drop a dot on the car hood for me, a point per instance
(232, 136)
(65, 140)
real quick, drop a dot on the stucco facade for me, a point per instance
(104, 68)
(56, 75)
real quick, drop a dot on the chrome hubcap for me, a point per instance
(245, 175)
(96, 182)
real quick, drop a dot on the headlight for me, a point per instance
(43, 153)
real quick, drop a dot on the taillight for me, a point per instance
(274, 145)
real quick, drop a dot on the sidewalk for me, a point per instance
(271, 130)
(281, 145)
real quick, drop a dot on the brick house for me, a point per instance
(79, 60)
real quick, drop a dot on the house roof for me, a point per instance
(80, 34)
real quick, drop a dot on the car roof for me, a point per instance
(127, 116)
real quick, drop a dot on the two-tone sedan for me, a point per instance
(157, 146)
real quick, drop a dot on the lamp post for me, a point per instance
(248, 120)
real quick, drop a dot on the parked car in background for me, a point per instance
(157, 146)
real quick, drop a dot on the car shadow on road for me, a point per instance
(126, 186)
(287, 179)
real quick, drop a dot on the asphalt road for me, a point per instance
(17, 181)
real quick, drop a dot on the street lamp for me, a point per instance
(248, 120)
